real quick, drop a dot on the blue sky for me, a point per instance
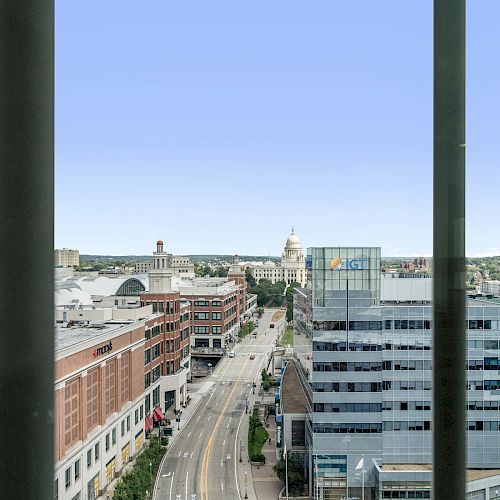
(216, 126)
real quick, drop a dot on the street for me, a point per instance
(202, 461)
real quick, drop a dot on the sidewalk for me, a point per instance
(265, 481)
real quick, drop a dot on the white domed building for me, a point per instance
(292, 267)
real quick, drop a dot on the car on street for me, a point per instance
(231, 354)
(252, 356)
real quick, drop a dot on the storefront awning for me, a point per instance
(158, 414)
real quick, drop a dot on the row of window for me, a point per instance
(206, 316)
(486, 425)
(406, 494)
(406, 385)
(333, 428)
(347, 407)
(406, 405)
(483, 405)
(358, 346)
(206, 329)
(347, 367)
(488, 344)
(347, 386)
(397, 324)
(405, 425)
(483, 364)
(409, 364)
(206, 303)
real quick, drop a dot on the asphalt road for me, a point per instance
(201, 464)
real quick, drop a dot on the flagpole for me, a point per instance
(363, 480)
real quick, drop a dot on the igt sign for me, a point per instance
(351, 264)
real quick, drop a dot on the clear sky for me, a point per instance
(217, 125)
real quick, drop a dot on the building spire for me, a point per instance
(293, 230)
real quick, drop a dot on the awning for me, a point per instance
(148, 423)
(158, 414)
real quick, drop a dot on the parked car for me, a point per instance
(271, 325)
(231, 354)
(252, 356)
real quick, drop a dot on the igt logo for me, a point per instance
(353, 264)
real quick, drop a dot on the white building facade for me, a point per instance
(291, 268)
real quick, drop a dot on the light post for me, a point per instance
(246, 485)
(286, 470)
(240, 451)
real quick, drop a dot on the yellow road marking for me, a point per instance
(204, 477)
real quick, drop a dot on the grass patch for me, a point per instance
(287, 338)
(257, 436)
(277, 315)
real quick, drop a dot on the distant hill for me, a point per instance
(195, 258)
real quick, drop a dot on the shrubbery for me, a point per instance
(268, 381)
(134, 484)
(257, 436)
(246, 329)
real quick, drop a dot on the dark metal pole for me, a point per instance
(449, 461)
(26, 248)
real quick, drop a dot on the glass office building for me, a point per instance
(365, 349)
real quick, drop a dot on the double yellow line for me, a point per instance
(206, 456)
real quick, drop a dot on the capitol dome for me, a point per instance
(293, 240)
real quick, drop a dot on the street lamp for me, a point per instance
(246, 484)
(286, 470)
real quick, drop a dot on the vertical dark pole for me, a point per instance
(449, 461)
(26, 248)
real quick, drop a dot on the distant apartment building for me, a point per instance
(99, 403)
(417, 265)
(491, 288)
(291, 268)
(66, 258)
(363, 360)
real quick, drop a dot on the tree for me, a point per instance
(295, 474)
(251, 282)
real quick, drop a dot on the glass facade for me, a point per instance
(369, 368)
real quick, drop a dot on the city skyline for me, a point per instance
(251, 118)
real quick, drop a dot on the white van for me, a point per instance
(231, 354)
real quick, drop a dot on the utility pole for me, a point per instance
(449, 448)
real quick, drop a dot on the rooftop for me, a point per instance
(471, 474)
(67, 337)
(293, 395)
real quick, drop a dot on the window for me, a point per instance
(216, 303)
(155, 351)
(147, 356)
(89, 457)
(136, 415)
(96, 451)
(201, 315)
(156, 373)
(56, 489)
(298, 433)
(113, 436)
(142, 411)
(216, 315)
(201, 329)
(107, 442)
(147, 380)
(123, 428)
(77, 470)
(128, 423)
(67, 477)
